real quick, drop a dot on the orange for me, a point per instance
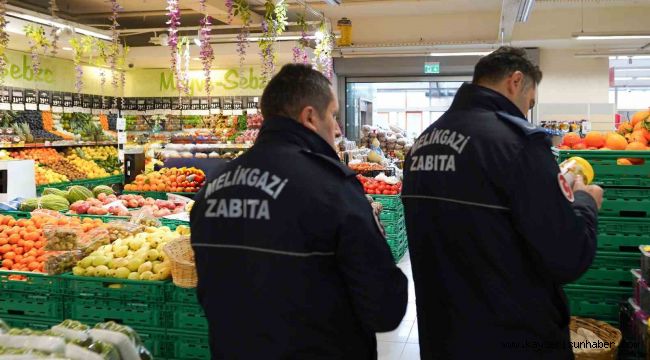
(625, 128)
(640, 117)
(579, 146)
(636, 146)
(615, 142)
(594, 139)
(638, 136)
(569, 139)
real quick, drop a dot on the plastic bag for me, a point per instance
(145, 217)
(93, 240)
(59, 263)
(48, 344)
(123, 229)
(75, 352)
(126, 348)
(143, 353)
(61, 238)
(72, 330)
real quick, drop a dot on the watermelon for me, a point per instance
(52, 191)
(103, 189)
(77, 192)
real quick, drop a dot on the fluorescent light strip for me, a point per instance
(51, 23)
(623, 78)
(611, 37)
(525, 8)
(471, 53)
(283, 38)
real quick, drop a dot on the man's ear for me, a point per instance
(516, 82)
(308, 118)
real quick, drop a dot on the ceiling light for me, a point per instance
(51, 23)
(67, 48)
(470, 53)
(623, 78)
(609, 36)
(333, 2)
(643, 78)
(633, 69)
(525, 8)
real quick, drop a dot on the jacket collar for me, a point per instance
(287, 130)
(472, 96)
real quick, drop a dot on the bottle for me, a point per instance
(344, 26)
(577, 166)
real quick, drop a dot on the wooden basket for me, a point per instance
(182, 259)
(604, 331)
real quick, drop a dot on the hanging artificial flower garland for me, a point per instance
(37, 41)
(54, 32)
(273, 25)
(300, 49)
(102, 60)
(114, 52)
(207, 53)
(243, 11)
(183, 65)
(4, 40)
(174, 14)
(80, 47)
(323, 50)
(122, 64)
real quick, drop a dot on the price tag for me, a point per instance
(85, 111)
(96, 111)
(121, 124)
(251, 111)
(215, 111)
(238, 112)
(5, 106)
(30, 97)
(227, 112)
(44, 107)
(121, 138)
(176, 112)
(5, 96)
(31, 107)
(17, 97)
(57, 109)
(18, 107)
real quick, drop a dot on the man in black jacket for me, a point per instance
(291, 261)
(494, 230)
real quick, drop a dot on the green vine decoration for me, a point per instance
(37, 42)
(323, 50)
(80, 48)
(274, 24)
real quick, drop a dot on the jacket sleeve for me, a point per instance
(378, 288)
(561, 234)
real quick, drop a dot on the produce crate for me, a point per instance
(155, 340)
(393, 227)
(390, 202)
(157, 195)
(398, 245)
(597, 302)
(626, 202)
(391, 216)
(188, 346)
(611, 269)
(622, 234)
(183, 317)
(131, 313)
(115, 179)
(114, 289)
(173, 224)
(17, 214)
(608, 172)
(22, 322)
(19, 304)
(29, 282)
(182, 295)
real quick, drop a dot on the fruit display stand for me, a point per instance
(159, 195)
(623, 225)
(392, 218)
(111, 180)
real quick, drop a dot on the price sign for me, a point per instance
(252, 103)
(215, 103)
(166, 103)
(17, 96)
(176, 103)
(87, 101)
(195, 104)
(228, 104)
(97, 102)
(72, 100)
(5, 95)
(120, 124)
(238, 104)
(149, 104)
(57, 99)
(30, 97)
(141, 104)
(204, 104)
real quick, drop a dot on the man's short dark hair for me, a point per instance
(295, 87)
(502, 63)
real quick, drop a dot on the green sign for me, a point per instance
(432, 68)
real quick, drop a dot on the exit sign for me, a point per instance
(432, 68)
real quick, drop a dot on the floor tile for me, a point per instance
(411, 352)
(414, 337)
(401, 334)
(389, 350)
(411, 312)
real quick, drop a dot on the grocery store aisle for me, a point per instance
(402, 343)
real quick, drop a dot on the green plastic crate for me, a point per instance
(391, 216)
(173, 224)
(29, 282)
(17, 214)
(188, 346)
(611, 269)
(390, 202)
(110, 180)
(182, 295)
(394, 227)
(597, 302)
(633, 202)
(22, 322)
(132, 313)
(31, 305)
(155, 340)
(157, 195)
(608, 172)
(183, 317)
(622, 234)
(115, 289)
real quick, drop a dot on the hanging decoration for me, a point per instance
(37, 41)
(207, 53)
(183, 66)
(243, 11)
(122, 65)
(174, 14)
(4, 40)
(273, 25)
(102, 60)
(54, 32)
(230, 7)
(300, 49)
(114, 52)
(80, 47)
(323, 50)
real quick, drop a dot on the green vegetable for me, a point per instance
(52, 191)
(51, 202)
(103, 189)
(77, 192)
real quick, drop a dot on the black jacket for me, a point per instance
(492, 237)
(290, 260)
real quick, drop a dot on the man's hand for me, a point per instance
(595, 191)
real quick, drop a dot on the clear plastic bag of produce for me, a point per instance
(48, 344)
(145, 217)
(123, 229)
(62, 238)
(78, 334)
(62, 262)
(48, 216)
(125, 339)
(3, 327)
(93, 240)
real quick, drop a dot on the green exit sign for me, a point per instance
(432, 68)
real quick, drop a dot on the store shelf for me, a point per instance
(115, 179)
(40, 145)
(114, 289)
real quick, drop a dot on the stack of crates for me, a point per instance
(187, 326)
(138, 304)
(623, 225)
(392, 218)
(31, 300)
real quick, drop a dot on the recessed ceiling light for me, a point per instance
(66, 48)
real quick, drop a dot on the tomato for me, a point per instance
(393, 192)
(386, 192)
(370, 191)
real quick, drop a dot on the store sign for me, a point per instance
(431, 67)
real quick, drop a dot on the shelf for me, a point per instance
(41, 145)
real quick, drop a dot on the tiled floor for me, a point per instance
(402, 343)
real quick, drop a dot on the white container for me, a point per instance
(17, 179)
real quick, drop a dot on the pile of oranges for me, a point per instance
(169, 180)
(633, 135)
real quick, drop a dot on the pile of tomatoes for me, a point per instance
(378, 187)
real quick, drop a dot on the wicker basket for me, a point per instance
(182, 258)
(604, 331)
